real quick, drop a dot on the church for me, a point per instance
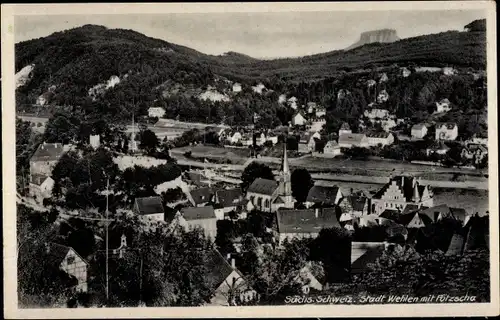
(270, 195)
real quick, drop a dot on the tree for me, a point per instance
(301, 184)
(63, 127)
(149, 141)
(253, 171)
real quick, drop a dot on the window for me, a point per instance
(266, 203)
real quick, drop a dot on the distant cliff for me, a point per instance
(382, 36)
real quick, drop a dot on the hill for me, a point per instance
(103, 68)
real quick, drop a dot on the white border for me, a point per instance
(8, 154)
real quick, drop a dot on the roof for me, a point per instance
(169, 215)
(382, 135)
(38, 179)
(198, 213)
(322, 194)
(405, 219)
(358, 203)
(458, 213)
(441, 209)
(196, 178)
(331, 144)
(410, 208)
(263, 186)
(456, 246)
(48, 152)
(218, 269)
(405, 184)
(351, 137)
(306, 221)
(57, 253)
(476, 146)
(365, 253)
(201, 195)
(149, 205)
(345, 126)
(448, 125)
(419, 126)
(438, 145)
(229, 197)
(390, 214)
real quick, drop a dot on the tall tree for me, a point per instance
(149, 141)
(301, 184)
(253, 171)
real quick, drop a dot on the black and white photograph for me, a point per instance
(242, 159)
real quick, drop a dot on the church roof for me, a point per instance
(322, 194)
(263, 186)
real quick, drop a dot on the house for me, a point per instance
(305, 223)
(349, 140)
(157, 112)
(226, 283)
(399, 192)
(236, 87)
(365, 253)
(383, 78)
(292, 102)
(414, 220)
(317, 124)
(259, 88)
(443, 106)
(382, 97)
(270, 195)
(149, 207)
(311, 106)
(199, 217)
(438, 147)
(332, 149)
(446, 131)
(475, 152)
(354, 206)
(376, 114)
(380, 138)
(41, 186)
(196, 178)
(405, 72)
(299, 119)
(418, 131)
(449, 71)
(320, 111)
(235, 137)
(260, 139)
(307, 142)
(312, 275)
(437, 213)
(273, 138)
(282, 99)
(323, 196)
(45, 158)
(69, 261)
(227, 200)
(95, 141)
(201, 196)
(344, 129)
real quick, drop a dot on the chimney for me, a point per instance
(233, 263)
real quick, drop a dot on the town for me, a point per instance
(312, 198)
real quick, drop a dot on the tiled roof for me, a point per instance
(56, 253)
(229, 197)
(419, 126)
(149, 205)
(198, 213)
(305, 221)
(196, 178)
(201, 195)
(410, 208)
(38, 179)
(456, 246)
(390, 214)
(48, 152)
(363, 254)
(458, 213)
(441, 210)
(218, 269)
(358, 203)
(405, 219)
(351, 138)
(263, 186)
(321, 194)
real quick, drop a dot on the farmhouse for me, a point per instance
(418, 131)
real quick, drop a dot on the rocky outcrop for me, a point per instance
(382, 36)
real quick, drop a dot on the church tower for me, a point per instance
(285, 186)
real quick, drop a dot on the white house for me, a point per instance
(299, 119)
(377, 114)
(380, 138)
(258, 88)
(95, 141)
(320, 111)
(150, 208)
(236, 87)
(317, 124)
(418, 131)
(383, 78)
(344, 129)
(41, 186)
(292, 102)
(311, 106)
(235, 137)
(446, 131)
(405, 72)
(443, 106)
(449, 71)
(349, 140)
(68, 260)
(332, 149)
(158, 112)
(45, 158)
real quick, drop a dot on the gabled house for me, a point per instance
(199, 217)
(201, 197)
(45, 158)
(305, 223)
(380, 138)
(234, 137)
(344, 129)
(320, 111)
(227, 200)
(446, 131)
(95, 141)
(475, 152)
(149, 207)
(313, 277)
(311, 106)
(354, 206)
(196, 178)
(323, 196)
(349, 140)
(299, 119)
(418, 131)
(399, 192)
(377, 114)
(307, 142)
(236, 87)
(414, 220)
(262, 193)
(317, 124)
(332, 149)
(292, 102)
(41, 186)
(227, 284)
(365, 253)
(443, 106)
(69, 261)
(443, 211)
(157, 112)
(438, 147)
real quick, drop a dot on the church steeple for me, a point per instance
(284, 165)
(285, 186)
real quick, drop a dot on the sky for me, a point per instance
(259, 34)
